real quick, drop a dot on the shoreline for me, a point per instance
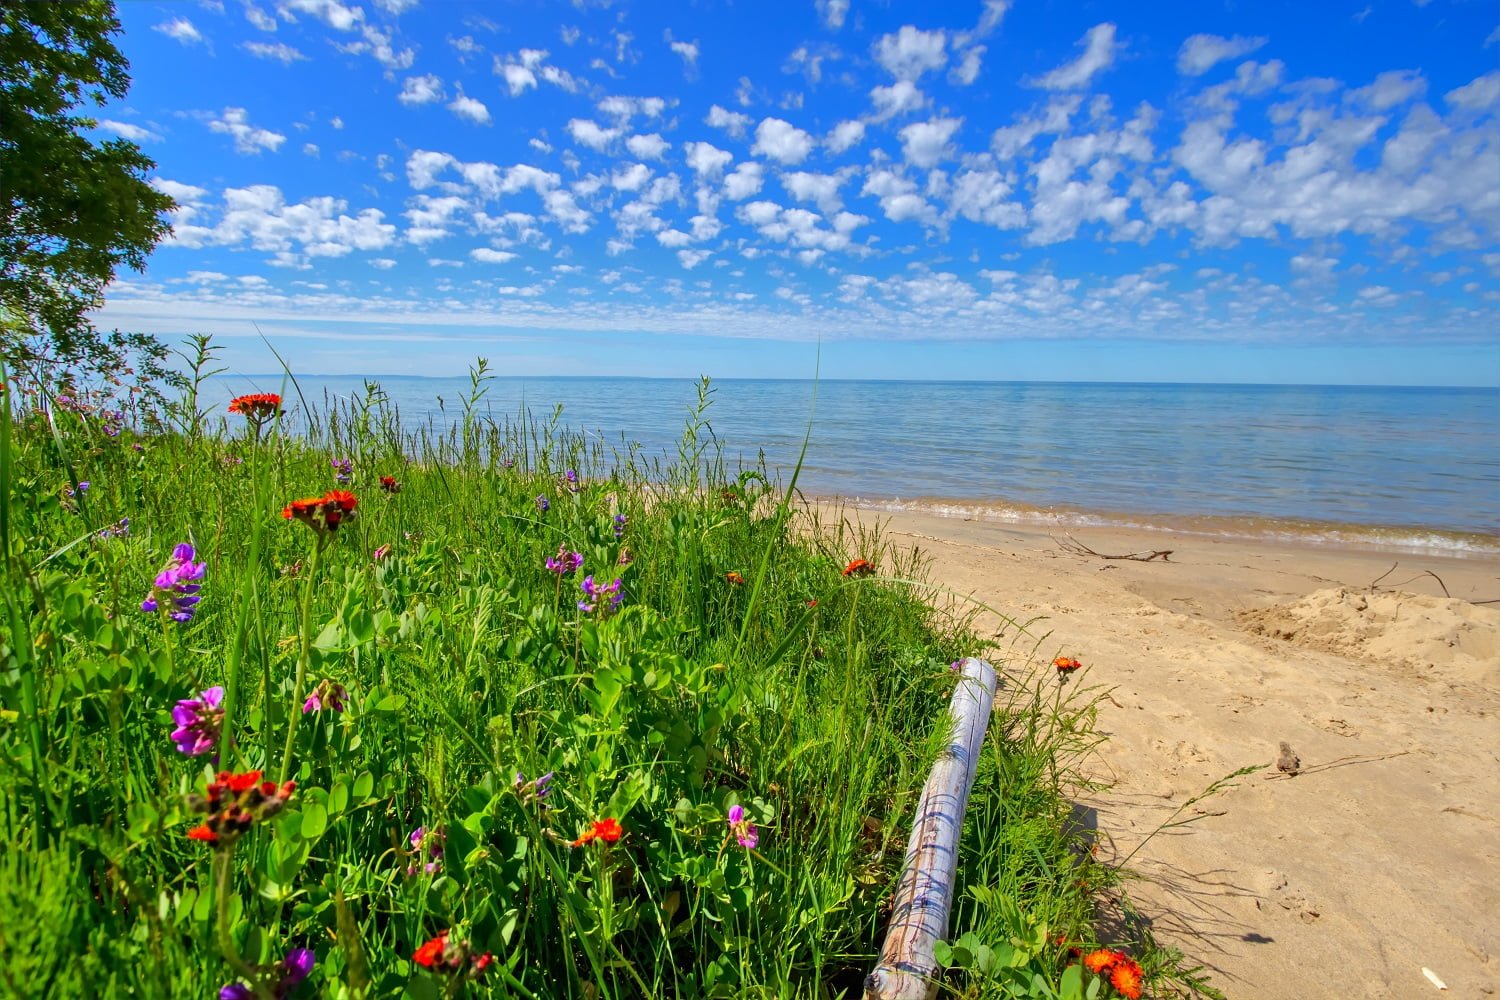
(1407, 540)
(1379, 858)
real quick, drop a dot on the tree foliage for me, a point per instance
(72, 209)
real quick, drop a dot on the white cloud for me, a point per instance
(396, 6)
(318, 227)
(823, 189)
(485, 255)
(673, 238)
(518, 78)
(625, 108)
(259, 18)
(746, 180)
(125, 130)
(310, 149)
(631, 178)
(1389, 90)
(898, 198)
(1099, 50)
(844, 136)
(687, 50)
(782, 141)
(901, 97)
(984, 195)
(647, 147)
(910, 52)
(1479, 94)
(421, 90)
(925, 143)
(247, 138)
(281, 52)
(1201, 53)
(692, 258)
(467, 107)
(181, 29)
(588, 133)
(330, 12)
(707, 161)
(730, 121)
(833, 12)
(966, 72)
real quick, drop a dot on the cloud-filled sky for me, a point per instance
(1273, 191)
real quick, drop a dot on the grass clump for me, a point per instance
(347, 709)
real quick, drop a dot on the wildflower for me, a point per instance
(1100, 960)
(429, 842)
(564, 562)
(137, 447)
(625, 558)
(231, 461)
(533, 791)
(620, 522)
(542, 503)
(257, 407)
(446, 956)
(198, 722)
(607, 830)
(389, 484)
(329, 695)
(380, 553)
(570, 481)
(178, 583)
(111, 422)
(742, 829)
(812, 603)
(120, 529)
(323, 514)
(343, 470)
(83, 487)
(509, 463)
(234, 803)
(282, 977)
(1065, 665)
(734, 578)
(593, 591)
(1125, 977)
(859, 567)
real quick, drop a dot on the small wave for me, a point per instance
(1381, 539)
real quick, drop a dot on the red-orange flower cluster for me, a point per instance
(859, 567)
(257, 406)
(389, 484)
(445, 956)
(1122, 971)
(234, 803)
(324, 513)
(1066, 664)
(607, 830)
(734, 577)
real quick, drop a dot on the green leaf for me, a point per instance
(314, 819)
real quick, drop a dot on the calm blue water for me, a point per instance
(1305, 458)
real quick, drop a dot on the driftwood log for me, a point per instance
(924, 896)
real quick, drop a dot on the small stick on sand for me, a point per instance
(1426, 572)
(1076, 547)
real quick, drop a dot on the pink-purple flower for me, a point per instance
(328, 695)
(429, 843)
(343, 470)
(177, 583)
(742, 829)
(564, 562)
(198, 722)
(542, 503)
(593, 593)
(287, 973)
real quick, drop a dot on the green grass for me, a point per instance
(466, 663)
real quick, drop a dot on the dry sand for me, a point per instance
(1382, 856)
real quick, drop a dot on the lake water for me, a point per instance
(1396, 468)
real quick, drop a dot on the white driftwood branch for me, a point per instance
(924, 896)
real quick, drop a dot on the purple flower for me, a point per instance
(431, 843)
(592, 592)
(289, 972)
(542, 503)
(533, 791)
(742, 829)
(564, 562)
(329, 695)
(198, 722)
(343, 470)
(620, 521)
(120, 529)
(509, 463)
(178, 583)
(112, 421)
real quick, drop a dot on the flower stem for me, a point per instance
(221, 918)
(304, 656)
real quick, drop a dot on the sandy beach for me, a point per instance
(1381, 857)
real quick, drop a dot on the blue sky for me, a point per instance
(1269, 191)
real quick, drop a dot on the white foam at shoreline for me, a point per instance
(1411, 542)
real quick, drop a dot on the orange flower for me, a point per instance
(240, 782)
(1125, 977)
(1101, 961)
(1066, 664)
(343, 498)
(607, 830)
(203, 832)
(431, 953)
(257, 406)
(302, 510)
(734, 577)
(859, 567)
(812, 604)
(332, 506)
